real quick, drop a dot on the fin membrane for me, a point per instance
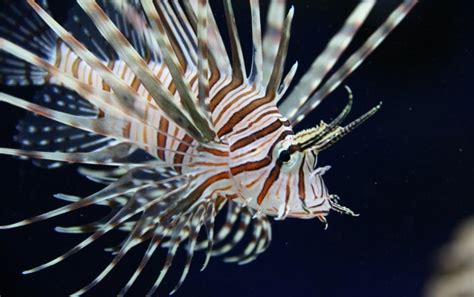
(81, 26)
(20, 24)
(42, 134)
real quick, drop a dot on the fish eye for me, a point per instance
(284, 156)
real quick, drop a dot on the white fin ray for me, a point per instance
(179, 31)
(209, 225)
(103, 100)
(272, 37)
(280, 59)
(355, 60)
(108, 192)
(188, 99)
(287, 81)
(216, 44)
(238, 63)
(195, 226)
(126, 95)
(256, 73)
(176, 238)
(326, 60)
(245, 219)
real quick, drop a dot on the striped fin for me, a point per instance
(103, 100)
(216, 44)
(156, 89)
(127, 212)
(233, 212)
(22, 26)
(86, 33)
(169, 28)
(203, 54)
(245, 219)
(158, 235)
(131, 241)
(132, 13)
(177, 26)
(127, 17)
(287, 81)
(280, 59)
(195, 227)
(39, 133)
(271, 40)
(187, 98)
(134, 206)
(238, 63)
(355, 60)
(256, 73)
(125, 95)
(110, 155)
(132, 22)
(209, 225)
(325, 62)
(108, 126)
(250, 251)
(121, 187)
(176, 238)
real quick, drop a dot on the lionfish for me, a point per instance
(148, 90)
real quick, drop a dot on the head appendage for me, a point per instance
(327, 135)
(338, 134)
(333, 125)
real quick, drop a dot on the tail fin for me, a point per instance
(20, 24)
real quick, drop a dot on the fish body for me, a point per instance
(147, 88)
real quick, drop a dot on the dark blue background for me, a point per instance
(408, 172)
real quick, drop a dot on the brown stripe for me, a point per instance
(214, 152)
(57, 62)
(288, 189)
(301, 191)
(256, 136)
(75, 67)
(126, 130)
(234, 84)
(194, 196)
(252, 166)
(135, 83)
(260, 117)
(124, 71)
(229, 105)
(183, 147)
(269, 181)
(163, 130)
(174, 43)
(232, 196)
(215, 73)
(145, 134)
(106, 86)
(251, 184)
(241, 114)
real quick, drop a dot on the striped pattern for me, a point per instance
(212, 133)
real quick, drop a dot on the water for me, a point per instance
(408, 172)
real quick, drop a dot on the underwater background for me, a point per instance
(409, 172)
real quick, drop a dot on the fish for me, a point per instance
(147, 90)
